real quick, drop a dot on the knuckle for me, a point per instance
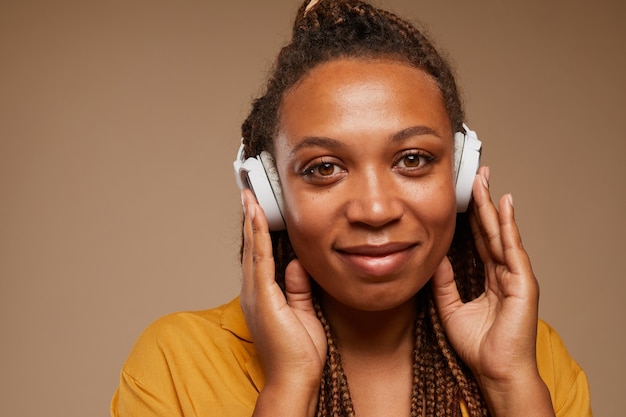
(259, 258)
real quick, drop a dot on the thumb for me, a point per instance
(298, 287)
(444, 288)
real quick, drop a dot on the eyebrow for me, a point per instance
(313, 141)
(326, 142)
(413, 131)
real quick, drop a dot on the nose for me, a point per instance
(374, 200)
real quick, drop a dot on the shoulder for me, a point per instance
(565, 379)
(194, 360)
(221, 324)
(212, 336)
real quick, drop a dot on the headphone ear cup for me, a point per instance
(467, 149)
(269, 167)
(252, 174)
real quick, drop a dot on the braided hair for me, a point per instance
(325, 30)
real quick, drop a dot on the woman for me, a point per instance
(378, 298)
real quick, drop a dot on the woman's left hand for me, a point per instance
(495, 334)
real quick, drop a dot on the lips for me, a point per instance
(377, 260)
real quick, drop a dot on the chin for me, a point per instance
(384, 298)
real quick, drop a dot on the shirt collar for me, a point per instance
(232, 319)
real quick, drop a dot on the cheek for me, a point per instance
(437, 211)
(300, 212)
(313, 223)
(308, 219)
(446, 222)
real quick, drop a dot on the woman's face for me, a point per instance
(364, 152)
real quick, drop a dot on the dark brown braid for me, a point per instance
(334, 395)
(334, 29)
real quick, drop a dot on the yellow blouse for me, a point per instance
(204, 364)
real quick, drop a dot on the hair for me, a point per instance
(332, 29)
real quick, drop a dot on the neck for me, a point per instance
(374, 350)
(371, 333)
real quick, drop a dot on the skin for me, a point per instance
(364, 153)
(379, 214)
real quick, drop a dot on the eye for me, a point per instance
(321, 172)
(324, 169)
(414, 159)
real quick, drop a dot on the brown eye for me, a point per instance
(326, 169)
(412, 161)
(322, 172)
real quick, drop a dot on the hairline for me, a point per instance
(365, 56)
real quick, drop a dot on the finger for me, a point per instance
(486, 218)
(479, 240)
(248, 212)
(298, 287)
(516, 277)
(476, 224)
(258, 260)
(517, 260)
(445, 291)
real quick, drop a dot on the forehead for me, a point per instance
(361, 93)
(342, 73)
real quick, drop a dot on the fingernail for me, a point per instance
(488, 174)
(250, 211)
(510, 198)
(484, 181)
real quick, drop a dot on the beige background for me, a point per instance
(119, 121)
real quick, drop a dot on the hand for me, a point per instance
(495, 334)
(289, 338)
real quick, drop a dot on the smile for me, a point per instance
(377, 261)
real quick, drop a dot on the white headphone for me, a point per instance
(467, 150)
(260, 175)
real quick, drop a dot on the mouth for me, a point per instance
(377, 260)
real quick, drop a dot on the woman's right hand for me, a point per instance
(289, 338)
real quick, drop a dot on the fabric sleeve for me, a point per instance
(191, 364)
(565, 379)
(133, 399)
(146, 386)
